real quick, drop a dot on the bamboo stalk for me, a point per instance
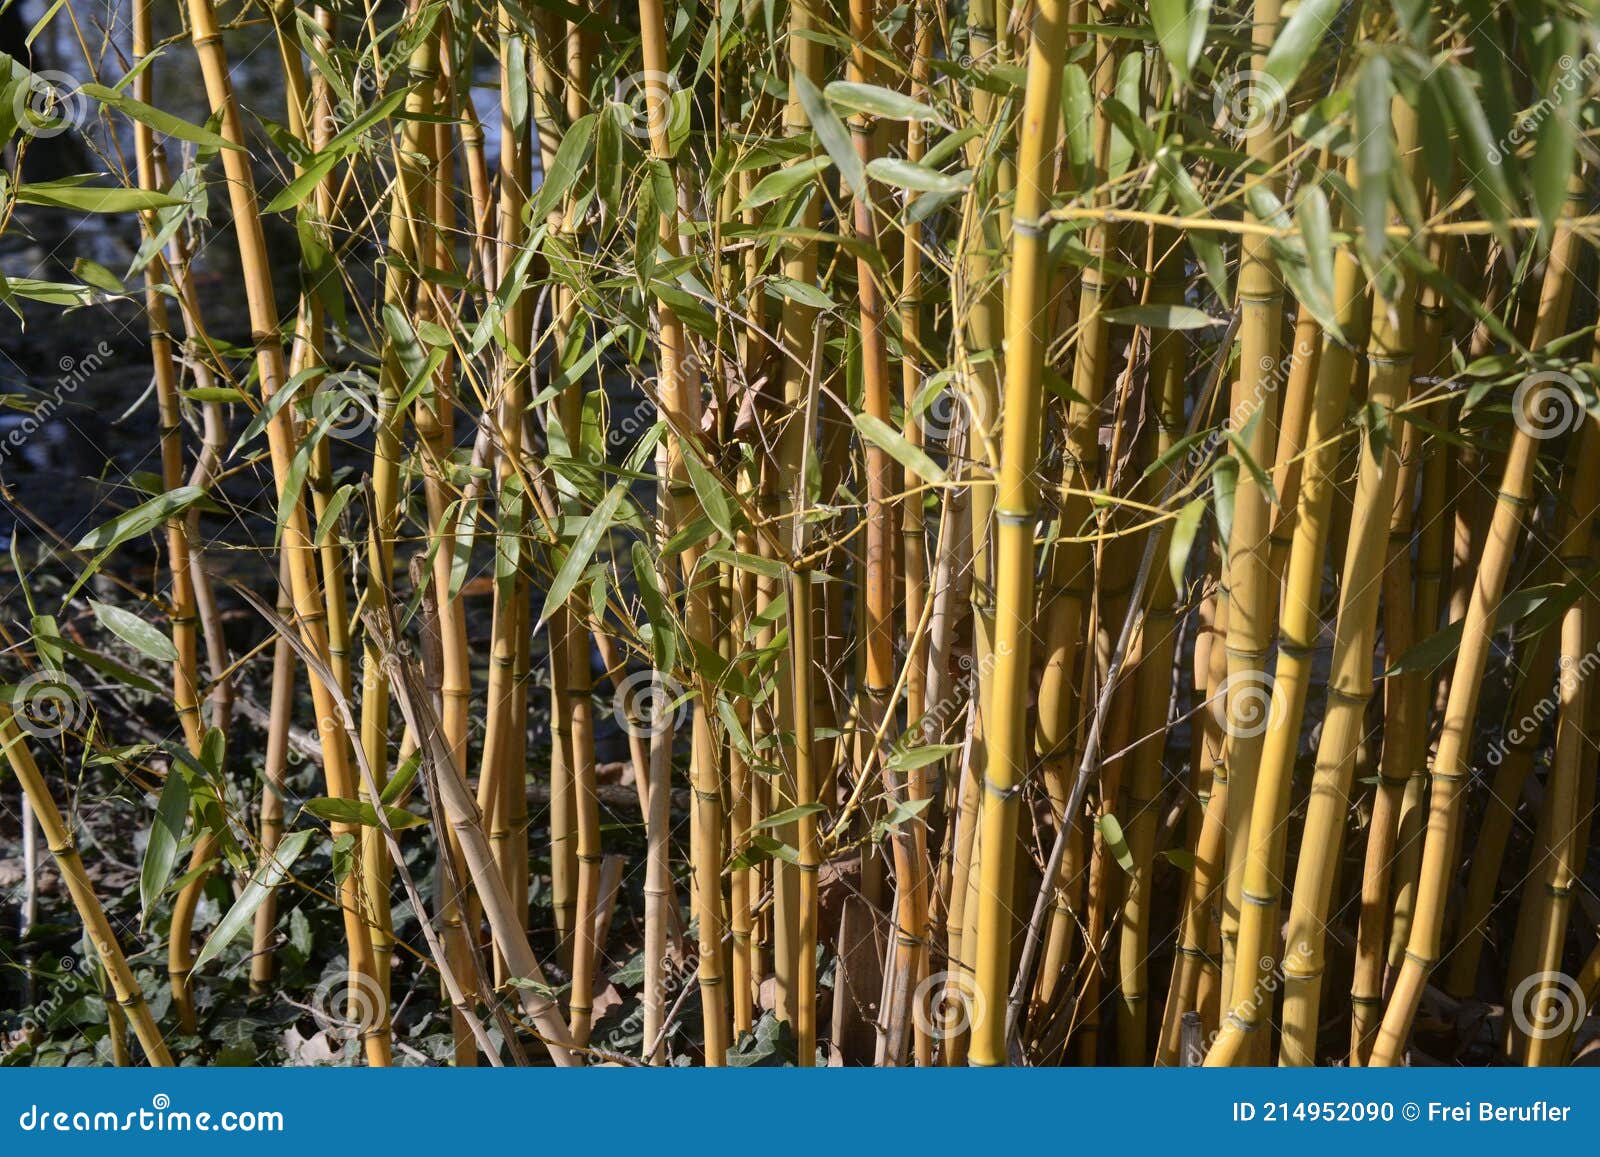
(1444, 819)
(1251, 599)
(1389, 358)
(680, 406)
(462, 814)
(282, 440)
(1015, 502)
(1563, 853)
(272, 774)
(184, 616)
(794, 913)
(96, 927)
(1155, 677)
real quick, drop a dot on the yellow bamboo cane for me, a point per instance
(98, 929)
(1015, 503)
(1444, 818)
(282, 439)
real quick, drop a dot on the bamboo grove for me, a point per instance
(1074, 521)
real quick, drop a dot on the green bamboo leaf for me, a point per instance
(1180, 28)
(894, 443)
(1433, 132)
(1537, 605)
(1555, 151)
(1077, 122)
(161, 121)
(763, 848)
(781, 183)
(799, 291)
(1207, 249)
(142, 519)
(1491, 64)
(1481, 153)
(1315, 222)
(272, 873)
(663, 631)
(294, 480)
(281, 397)
(1303, 271)
(911, 758)
(112, 669)
(214, 752)
(1224, 481)
(91, 198)
(755, 564)
(330, 515)
(166, 834)
(874, 100)
(1374, 154)
(306, 183)
(1116, 842)
(336, 150)
(1129, 134)
(1184, 528)
(1239, 443)
(336, 810)
(790, 815)
(131, 629)
(832, 134)
(1292, 47)
(94, 274)
(49, 292)
(395, 789)
(583, 547)
(917, 178)
(713, 495)
(570, 161)
(1157, 316)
